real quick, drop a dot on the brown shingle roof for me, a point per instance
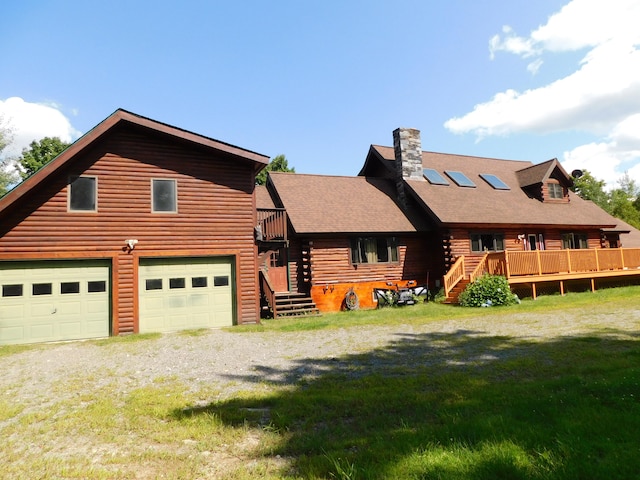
(263, 199)
(483, 204)
(331, 204)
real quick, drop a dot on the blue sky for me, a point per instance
(319, 81)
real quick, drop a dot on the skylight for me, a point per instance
(433, 177)
(460, 178)
(494, 181)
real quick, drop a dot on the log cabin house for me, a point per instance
(138, 226)
(444, 219)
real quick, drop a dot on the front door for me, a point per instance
(278, 274)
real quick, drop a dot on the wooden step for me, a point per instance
(452, 298)
(292, 304)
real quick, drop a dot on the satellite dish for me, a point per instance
(576, 173)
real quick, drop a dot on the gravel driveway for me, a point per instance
(231, 361)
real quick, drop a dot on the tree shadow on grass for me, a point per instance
(456, 405)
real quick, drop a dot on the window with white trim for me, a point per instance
(555, 190)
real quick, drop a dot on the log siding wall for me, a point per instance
(216, 215)
(331, 262)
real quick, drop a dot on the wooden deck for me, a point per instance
(538, 266)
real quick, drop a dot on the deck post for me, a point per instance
(621, 258)
(539, 262)
(593, 285)
(597, 260)
(533, 290)
(562, 287)
(506, 264)
(568, 260)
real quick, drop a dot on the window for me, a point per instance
(199, 282)
(555, 190)
(221, 281)
(494, 181)
(12, 290)
(574, 240)
(460, 179)
(433, 177)
(96, 286)
(153, 284)
(82, 194)
(177, 283)
(41, 289)
(69, 287)
(374, 250)
(487, 242)
(163, 196)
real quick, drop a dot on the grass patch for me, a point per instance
(132, 338)
(6, 350)
(613, 298)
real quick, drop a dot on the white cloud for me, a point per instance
(601, 97)
(33, 121)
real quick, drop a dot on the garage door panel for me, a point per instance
(199, 300)
(11, 333)
(42, 331)
(183, 291)
(71, 329)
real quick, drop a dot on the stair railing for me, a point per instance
(453, 276)
(480, 269)
(268, 291)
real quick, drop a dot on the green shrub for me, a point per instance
(487, 291)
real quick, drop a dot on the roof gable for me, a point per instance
(118, 118)
(541, 172)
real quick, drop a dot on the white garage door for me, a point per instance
(53, 300)
(184, 293)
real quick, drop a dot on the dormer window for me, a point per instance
(555, 190)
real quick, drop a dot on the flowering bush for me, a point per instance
(488, 291)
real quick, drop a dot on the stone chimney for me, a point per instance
(408, 153)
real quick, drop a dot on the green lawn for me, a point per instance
(428, 406)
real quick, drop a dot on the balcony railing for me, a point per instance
(272, 223)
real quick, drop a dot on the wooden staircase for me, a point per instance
(452, 298)
(291, 304)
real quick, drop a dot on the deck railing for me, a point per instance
(273, 224)
(550, 262)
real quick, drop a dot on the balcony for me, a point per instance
(272, 224)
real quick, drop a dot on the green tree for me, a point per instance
(590, 188)
(277, 164)
(8, 177)
(624, 201)
(39, 153)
